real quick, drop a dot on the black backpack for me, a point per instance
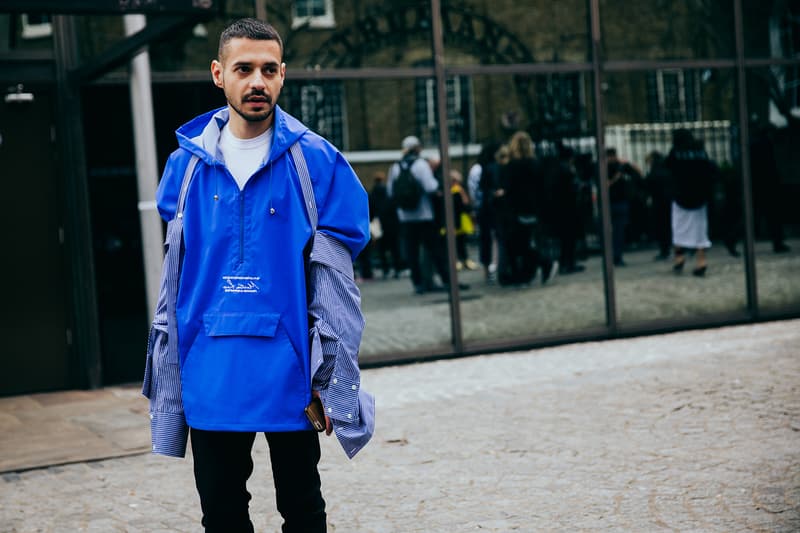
(406, 188)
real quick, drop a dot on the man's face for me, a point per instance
(251, 75)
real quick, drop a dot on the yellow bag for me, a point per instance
(465, 226)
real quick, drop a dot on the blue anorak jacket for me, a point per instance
(257, 325)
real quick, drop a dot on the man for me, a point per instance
(621, 180)
(228, 354)
(417, 223)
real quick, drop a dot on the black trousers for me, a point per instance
(223, 463)
(424, 234)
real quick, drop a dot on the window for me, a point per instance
(560, 105)
(673, 95)
(319, 105)
(785, 33)
(315, 13)
(459, 111)
(35, 26)
(788, 45)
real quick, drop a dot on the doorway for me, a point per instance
(35, 353)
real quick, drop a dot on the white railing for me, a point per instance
(632, 141)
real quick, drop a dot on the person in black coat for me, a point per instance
(693, 177)
(523, 192)
(659, 184)
(388, 245)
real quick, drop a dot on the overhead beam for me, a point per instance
(122, 52)
(112, 7)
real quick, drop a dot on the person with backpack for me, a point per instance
(258, 318)
(411, 184)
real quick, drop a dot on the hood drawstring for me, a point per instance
(216, 184)
(269, 189)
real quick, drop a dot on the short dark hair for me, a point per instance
(248, 28)
(682, 139)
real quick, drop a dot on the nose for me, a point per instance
(257, 80)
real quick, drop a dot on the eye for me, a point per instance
(242, 68)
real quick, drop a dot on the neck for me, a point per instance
(244, 129)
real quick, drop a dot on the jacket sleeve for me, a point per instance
(335, 309)
(342, 205)
(170, 185)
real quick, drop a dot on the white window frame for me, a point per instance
(426, 108)
(309, 97)
(321, 21)
(35, 31)
(682, 92)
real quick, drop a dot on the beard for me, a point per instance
(254, 116)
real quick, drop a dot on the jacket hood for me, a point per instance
(200, 135)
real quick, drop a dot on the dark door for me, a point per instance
(33, 351)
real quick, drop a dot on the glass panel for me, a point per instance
(391, 34)
(771, 29)
(492, 33)
(342, 34)
(674, 184)
(671, 29)
(532, 260)
(379, 117)
(774, 106)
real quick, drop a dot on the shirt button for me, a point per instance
(349, 415)
(330, 409)
(354, 387)
(335, 381)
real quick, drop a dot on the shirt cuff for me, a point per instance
(169, 434)
(341, 399)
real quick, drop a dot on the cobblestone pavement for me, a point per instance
(691, 431)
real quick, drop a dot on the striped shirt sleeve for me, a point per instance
(162, 379)
(335, 307)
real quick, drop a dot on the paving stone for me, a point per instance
(690, 431)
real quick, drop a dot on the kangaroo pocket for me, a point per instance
(242, 373)
(241, 324)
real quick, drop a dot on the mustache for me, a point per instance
(258, 94)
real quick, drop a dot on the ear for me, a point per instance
(216, 73)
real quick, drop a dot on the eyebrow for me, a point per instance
(249, 63)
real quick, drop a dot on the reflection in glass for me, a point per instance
(355, 35)
(501, 33)
(666, 30)
(532, 258)
(373, 120)
(673, 146)
(774, 104)
(771, 29)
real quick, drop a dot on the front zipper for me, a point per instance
(241, 227)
